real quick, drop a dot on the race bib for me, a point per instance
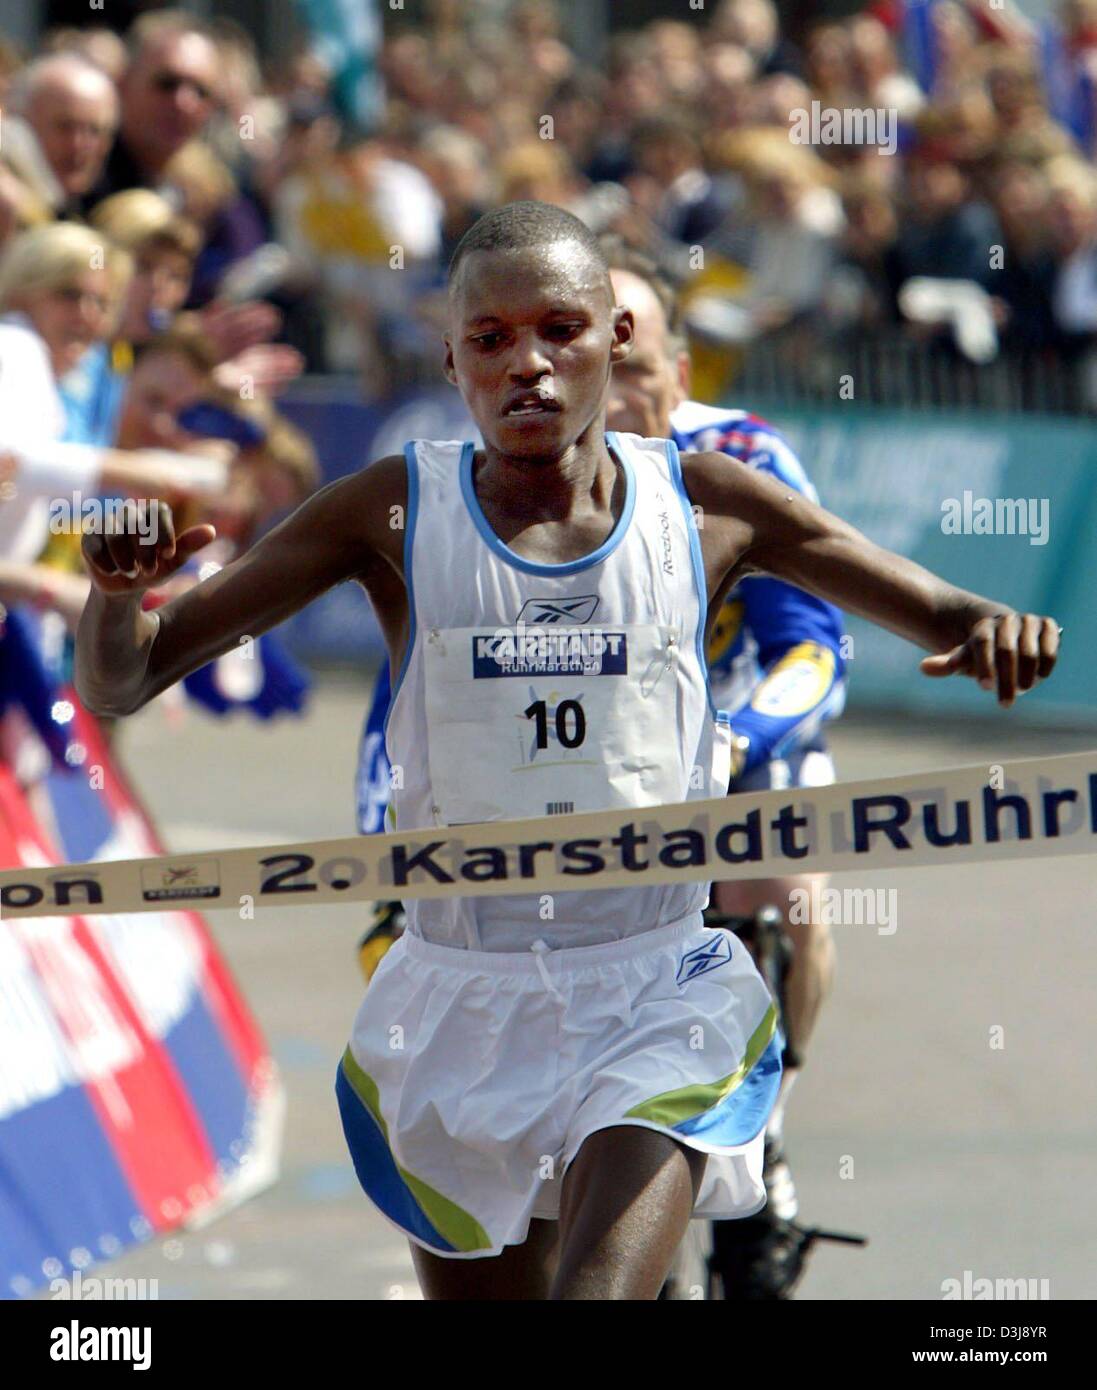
(534, 721)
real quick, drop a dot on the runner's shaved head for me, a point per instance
(542, 227)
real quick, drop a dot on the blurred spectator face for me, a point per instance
(750, 23)
(872, 51)
(1006, 91)
(158, 290)
(1080, 21)
(161, 385)
(536, 172)
(73, 110)
(638, 87)
(577, 116)
(1020, 196)
(954, 32)
(871, 225)
(935, 188)
(168, 95)
(728, 65)
(309, 75)
(777, 193)
(666, 155)
(776, 97)
(728, 93)
(677, 49)
(964, 126)
(457, 167)
(201, 181)
(72, 317)
(239, 79)
(648, 384)
(830, 58)
(876, 168)
(308, 142)
(1073, 218)
(536, 25)
(409, 70)
(535, 19)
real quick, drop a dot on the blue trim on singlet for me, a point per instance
(674, 462)
(494, 544)
(412, 461)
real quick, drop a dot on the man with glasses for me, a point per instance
(69, 114)
(169, 92)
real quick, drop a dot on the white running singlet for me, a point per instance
(530, 689)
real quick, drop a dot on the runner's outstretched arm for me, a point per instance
(125, 656)
(754, 523)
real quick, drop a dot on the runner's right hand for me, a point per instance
(125, 559)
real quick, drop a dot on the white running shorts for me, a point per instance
(472, 1078)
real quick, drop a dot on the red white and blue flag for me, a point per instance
(136, 1092)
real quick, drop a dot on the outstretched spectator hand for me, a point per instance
(232, 328)
(267, 368)
(44, 587)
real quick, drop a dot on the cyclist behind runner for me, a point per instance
(775, 665)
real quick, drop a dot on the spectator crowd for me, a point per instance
(961, 219)
(186, 228)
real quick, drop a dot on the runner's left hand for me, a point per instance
(1009, 653)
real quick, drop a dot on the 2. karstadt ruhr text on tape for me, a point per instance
(1028, 808)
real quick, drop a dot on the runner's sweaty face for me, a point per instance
(533, 338)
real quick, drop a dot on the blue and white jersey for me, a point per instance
(775, 662)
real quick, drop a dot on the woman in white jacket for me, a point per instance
(60, 289)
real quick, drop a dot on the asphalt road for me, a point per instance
(906, 1124)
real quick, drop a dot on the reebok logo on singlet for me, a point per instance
(559, 610)
(668, 546)
(666, 540)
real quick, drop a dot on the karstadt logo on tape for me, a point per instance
(197, 878)
(1043, 807)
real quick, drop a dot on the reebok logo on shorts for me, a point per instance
(703, 958)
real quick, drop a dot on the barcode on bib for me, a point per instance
(559, 808)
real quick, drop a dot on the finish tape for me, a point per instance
(1032, 808)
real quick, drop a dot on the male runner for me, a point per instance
(511, 1063)
(776, 667)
